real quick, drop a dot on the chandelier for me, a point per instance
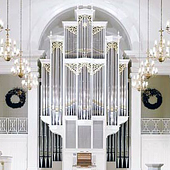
(147, 68)
(21, 66)
(161, 49)
(30, 79)
(138, 81)
(8, 48)
(1, 25)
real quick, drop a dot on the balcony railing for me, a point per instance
(12, 125)
(155, 126)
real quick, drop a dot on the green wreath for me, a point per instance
(18, 92)
(149, 93)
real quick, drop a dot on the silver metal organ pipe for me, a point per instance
(69, 101)
(116, 84)
(112, 85)
(43, 90)
(58, 86)
(126, 91)
(53, 88)
(66, 70)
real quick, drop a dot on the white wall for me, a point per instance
(15, 146)
(7, 83)
(44, 11)
(156, 149)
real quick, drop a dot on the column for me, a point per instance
(135, 115)
(135, 121)
(33, 129)
(33, 118)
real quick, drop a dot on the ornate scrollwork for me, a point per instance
(122, 67)
(88, 17)
(72, 29)
(91, 68)
(58, 45)
(73, 67)
(97, 29)
(112, 45)
(94, 68)
(47, 66)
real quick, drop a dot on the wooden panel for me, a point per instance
(84, 159)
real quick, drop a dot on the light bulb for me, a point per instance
(168, 43)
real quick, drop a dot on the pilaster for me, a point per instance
(33, 116)
(135, 117)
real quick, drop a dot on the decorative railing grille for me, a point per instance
(13, 125)
(155, 126)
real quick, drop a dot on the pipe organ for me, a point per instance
(84, 89)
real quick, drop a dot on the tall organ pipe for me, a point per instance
(112, 85)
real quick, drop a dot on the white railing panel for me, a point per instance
(13, 125)
(155, 126)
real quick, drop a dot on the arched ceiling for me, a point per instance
(113, 27)
(122, 15)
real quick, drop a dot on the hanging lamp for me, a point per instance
(8, 48)
(161, 49)
(30, 79)
(148, 67)
(21, 66)
(138, 81)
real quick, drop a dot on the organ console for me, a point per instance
(84, 159)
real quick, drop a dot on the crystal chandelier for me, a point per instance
(147, 68)
(1, 25)
(8, 48)
(161, 49)
(138, 81)
(30, 79)
(21, 66)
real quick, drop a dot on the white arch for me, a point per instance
(49, 15)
